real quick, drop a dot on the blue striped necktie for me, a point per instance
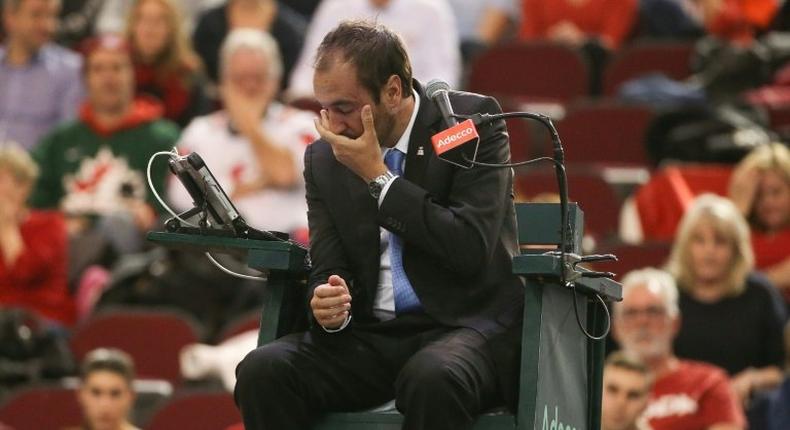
(406, 300)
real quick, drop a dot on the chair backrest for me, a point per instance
(41, 408)
(242, 324)
(611, 133)
(671, 58)
(631, 257)
(537, 70)
(209, 411)
(588, 187)
(153, 338)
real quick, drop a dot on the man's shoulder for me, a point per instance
(60, 57)
(697, 372)
(464, 102)
(162, 129)
(67, 130)
(209, 123)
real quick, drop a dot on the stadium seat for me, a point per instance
(605, 132)
(242, 324)
(585, 186)
(631, 257)
(538, 71)
(670, 58)
(153, 338)
(41, 408)
(198, 410)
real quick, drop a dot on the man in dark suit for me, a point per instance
(423, 247)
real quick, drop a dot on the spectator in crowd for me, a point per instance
(255, 145)
(434, 54)
(106, 395)
(165, 66)
(576, 22)
(735, 20)
(286, 26)
(595, 27)
(760, 188)
(114, 14)
(483, 23)
(304, 7)
(33, 244)
(627, 382)
(94, 168)
(76, 21)
(686, 394)
(39, 81)
(771, 410)
(712, 261)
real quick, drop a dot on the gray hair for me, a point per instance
(658, 282)
(257, 41)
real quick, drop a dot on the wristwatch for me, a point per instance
(377, 184)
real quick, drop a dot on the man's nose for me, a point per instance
(336, 124)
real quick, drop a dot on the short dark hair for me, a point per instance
(376, 52)
(626, 361)
(108, 360)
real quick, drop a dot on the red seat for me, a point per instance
(632, 257)
(153, 339)
(671, 58)
(538, 71)
(610, 133)
(242, 324)
(586, 186)
(209, 411)
(41, 408)
(663, 200)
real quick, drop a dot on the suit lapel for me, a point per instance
(420, 147)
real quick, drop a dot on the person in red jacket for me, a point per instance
(574, 22)
(33, 245)
(595, 27)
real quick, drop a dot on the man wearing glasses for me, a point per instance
(686, 394)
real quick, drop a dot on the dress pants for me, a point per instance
(440, 377)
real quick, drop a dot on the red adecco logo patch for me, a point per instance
(454, 137)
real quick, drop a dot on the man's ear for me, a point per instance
(392, 92)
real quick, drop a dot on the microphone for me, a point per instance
(458, 143)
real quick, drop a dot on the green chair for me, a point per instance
(561, 368)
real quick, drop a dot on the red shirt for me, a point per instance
(739, 20)
(37, 279)
(693, 397)
(770, 250)
(609, 19)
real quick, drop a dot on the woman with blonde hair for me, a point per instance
(760, 188)
(33, 245)
(165, 65)
(731, 317)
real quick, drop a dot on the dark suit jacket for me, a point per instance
(458, 226)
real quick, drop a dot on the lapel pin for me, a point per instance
(420, 151)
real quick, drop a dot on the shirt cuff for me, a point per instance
(384, 189)
(335, 330)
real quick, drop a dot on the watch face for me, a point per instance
(374, 188)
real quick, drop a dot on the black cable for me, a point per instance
(579, 322)
(562, 185)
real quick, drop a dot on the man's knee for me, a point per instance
(430, 375)
(265, 366)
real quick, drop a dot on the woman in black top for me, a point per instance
(731, 317)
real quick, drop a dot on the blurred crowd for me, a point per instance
(90, 90)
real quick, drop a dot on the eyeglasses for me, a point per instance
(651, 312)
